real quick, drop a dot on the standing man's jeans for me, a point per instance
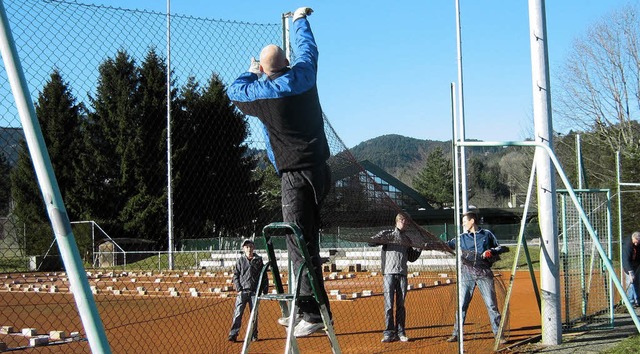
(485, 283)
(243, 298)
(302, 194)
(394, 285)
(631, 284)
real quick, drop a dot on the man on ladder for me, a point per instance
(286, 102)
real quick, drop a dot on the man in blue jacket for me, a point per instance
(286, 102)
(480, 249)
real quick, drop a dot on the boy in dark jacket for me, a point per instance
(245, 280)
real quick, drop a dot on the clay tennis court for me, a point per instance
(197, 316)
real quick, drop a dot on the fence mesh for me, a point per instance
(587, 296)
(97, 77)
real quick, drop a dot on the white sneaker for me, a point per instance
(305, 328)
(284, 321)
(404, 338)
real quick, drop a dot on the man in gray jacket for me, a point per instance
(396, 251)
(245, 279)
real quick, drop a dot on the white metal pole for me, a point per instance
(456, 216)
(549, 258)
(461, 130)
(51, 192)
(169, 168)
(618, 178)
(579, 160)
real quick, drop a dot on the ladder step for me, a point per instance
(279, 297)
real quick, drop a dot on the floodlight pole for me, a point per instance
(170, 245)
(549, 258)
(51, 192)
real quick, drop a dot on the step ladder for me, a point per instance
(287, 301)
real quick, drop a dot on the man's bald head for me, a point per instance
(272, 59)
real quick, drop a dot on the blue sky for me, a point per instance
(387, 67)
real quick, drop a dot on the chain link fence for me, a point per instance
(97, 77)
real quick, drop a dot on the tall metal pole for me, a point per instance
(579, 161)
(456, 214)
(169, 168)
(51, 192)
(549, 258)
(461, 130)
(618, 179)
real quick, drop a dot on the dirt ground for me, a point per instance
(197, 316)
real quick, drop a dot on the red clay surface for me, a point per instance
(156, 322)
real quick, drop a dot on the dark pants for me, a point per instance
(243, 298)
(395, 287)
(302, 195)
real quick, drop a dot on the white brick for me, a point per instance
(29, 332)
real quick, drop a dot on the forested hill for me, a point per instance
(393, 152)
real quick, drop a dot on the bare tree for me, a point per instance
(599, 87)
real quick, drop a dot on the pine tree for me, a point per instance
(215, 193)
(435, 180)
(145, 211)
(59, 118)
(5, 185)
(112, 144)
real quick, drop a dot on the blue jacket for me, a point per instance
(473, 246)
(287, 104)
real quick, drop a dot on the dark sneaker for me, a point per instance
(254, 338)
(452, 339)
(305, 328)
(232, 338)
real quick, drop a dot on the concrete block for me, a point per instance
(7, 330)
(38, 341)
(367, 292)
(341, 297)
(29, 332)
(57, 335)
